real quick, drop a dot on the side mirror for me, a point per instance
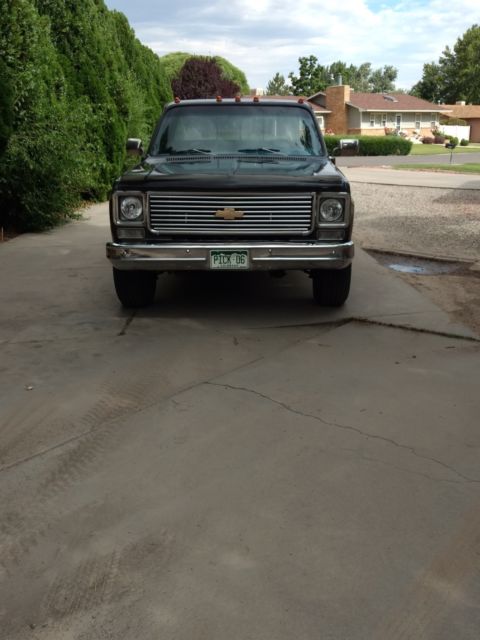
(134, 147)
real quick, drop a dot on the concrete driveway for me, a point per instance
(233, 462)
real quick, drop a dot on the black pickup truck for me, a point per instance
(232, 184)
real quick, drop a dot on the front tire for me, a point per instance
(135, 288)
(331, 286)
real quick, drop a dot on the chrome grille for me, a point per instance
(263, 214)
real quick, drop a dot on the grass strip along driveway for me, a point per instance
(440, 149)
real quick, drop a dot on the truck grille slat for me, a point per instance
(262, 213)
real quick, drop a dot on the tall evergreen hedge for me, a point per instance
(74, 84)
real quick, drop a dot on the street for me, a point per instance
(233, 462)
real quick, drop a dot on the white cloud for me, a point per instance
(265, 36)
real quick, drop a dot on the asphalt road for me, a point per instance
(233, 462)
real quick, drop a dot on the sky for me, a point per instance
(263, 37)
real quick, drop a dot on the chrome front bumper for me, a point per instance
(262, 256)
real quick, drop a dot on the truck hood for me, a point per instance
(209, 172)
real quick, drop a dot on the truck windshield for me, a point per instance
(237, 129)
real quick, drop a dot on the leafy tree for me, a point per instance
(314, 77)
(429, 87)
(233, 73)
(203, 78)
(277, 86)
(455, 76)
(173, 64)
(382, 80)
(460, 68)
(359, 77)
(311, 77)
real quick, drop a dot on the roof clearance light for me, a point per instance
(177, 100)
(219, 98)
(301, 101)
(256, 99)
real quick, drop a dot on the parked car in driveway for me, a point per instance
(232, 185)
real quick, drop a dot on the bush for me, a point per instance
(439, 139)
(373, 145)
(75, 82)
(428, 140)
(202, 78)
(464, 143)
(452, 139)
(173, 64)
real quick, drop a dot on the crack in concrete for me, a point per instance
(346, 427)
(127, 324)
(431, 332)
(335, 324)
(399, 468)
(84, 434)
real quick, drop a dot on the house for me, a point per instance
(468, 112)
(319, 111)
(350, 112)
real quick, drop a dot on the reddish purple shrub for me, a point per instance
(202, 78)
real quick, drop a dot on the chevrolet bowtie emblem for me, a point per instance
(229, 214)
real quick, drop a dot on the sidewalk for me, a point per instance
(403, 177)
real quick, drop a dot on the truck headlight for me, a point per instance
(331, 210)
(131, 208)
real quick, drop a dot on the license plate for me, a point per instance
(231, 259)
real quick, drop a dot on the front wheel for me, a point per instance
(135, 288)
(331, 286)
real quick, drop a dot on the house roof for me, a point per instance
(385, 102)
(391, 102)
(317, 108)
(463, 110)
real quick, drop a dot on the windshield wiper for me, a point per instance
(259, 150)
(190, 152)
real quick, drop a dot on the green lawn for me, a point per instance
(469, 167)
(436, 149)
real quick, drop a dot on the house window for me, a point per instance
(398, 121)
(372, 120)
(320, 121)
(384, 119)
(418, 121)
(378, 119)
(434, 122)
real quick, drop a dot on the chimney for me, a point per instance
(336, 98)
